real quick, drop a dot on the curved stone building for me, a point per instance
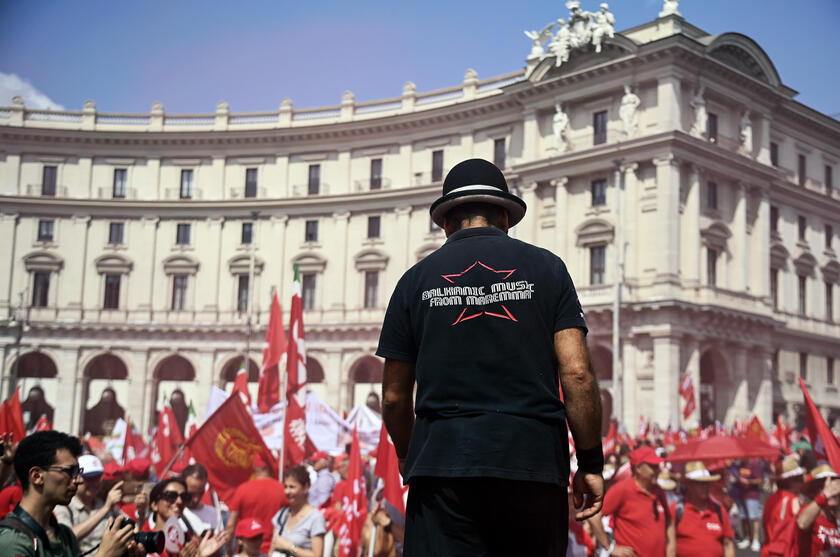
(128, 238)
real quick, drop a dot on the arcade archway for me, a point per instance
(38, 381)
(172, 378)
(715, 392)
(365, 378)
(232, 367)
(105, 386)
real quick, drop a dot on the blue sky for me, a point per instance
(189, 54)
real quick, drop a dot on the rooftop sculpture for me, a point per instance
(582, 30)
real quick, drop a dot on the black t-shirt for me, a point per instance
(478, 317)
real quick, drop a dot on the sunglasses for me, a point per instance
(71, 470)
(172, 496)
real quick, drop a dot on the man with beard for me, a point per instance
(47, 465)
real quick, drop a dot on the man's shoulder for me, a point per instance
(14, 542)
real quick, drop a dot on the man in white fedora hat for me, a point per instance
(487, 325)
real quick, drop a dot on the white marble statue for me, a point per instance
(579, 25)
(538, 40)
(603, 25)
(746, 133)
(559, 46)
(669, 7)
(629, 112)
(701, 116)
(559, 124)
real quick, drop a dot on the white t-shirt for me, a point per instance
(203, 518)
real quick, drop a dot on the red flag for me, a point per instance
(825, 445)
(226, 444)
(273, 354)
(297, 444)
(686, 386)
(353, 504)
(11, 417)
(167, 440)
(240, 383)
(43, 424)
(387, 468)
(608, 443)
(782, 434)
(644, 428)
(129, 444)
(296, 354)
(690, 406)
(756, 430)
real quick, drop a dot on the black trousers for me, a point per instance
(452, 517)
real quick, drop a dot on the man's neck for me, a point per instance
(699, 503)
(37, 508)
(641, 485)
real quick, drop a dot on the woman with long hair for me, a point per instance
(299, 528)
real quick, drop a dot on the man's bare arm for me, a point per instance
(580, 388)
(398, 403)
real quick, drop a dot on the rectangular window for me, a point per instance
(599, 127)
(803, 227)
(311, 232)
(373, 226)
(598, 189)
(499, 152)
(250, 182)
(774, 287)
(308, 290)
(711, 195)
(829, 236)
(829, 371)
(182, 234)
(376, 174)
(40, 289)
(803, 366)
(829, 178)
(774, 153)
(437, 165)
(803, 294)
(711, 266)
(112, 292)
(774, 219)
(712, 128)
(371, 289)
(186, 191)
(242, 294)
(118, 191)
(247, 232)
(314, 184)
(46, 230)
(800, 168)
(48, 184)
(179, 292)
(829, 301)
(115, 232)
(597, 264)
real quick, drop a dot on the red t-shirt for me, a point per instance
(635, 521)
(822, 537)
(10, 496)
(701, 533)
(779, 524)
(259, 498)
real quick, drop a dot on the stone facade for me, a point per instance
(728, 217)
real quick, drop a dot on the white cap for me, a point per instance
(91, 466)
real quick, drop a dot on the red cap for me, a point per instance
(249, 528)
(319, 455)
(138, 466)
(260, 462)
(645, 455)
(113, 471)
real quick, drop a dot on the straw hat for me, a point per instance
(665, 481)
(696, 471)
(609, 471)
(816, 479)
(788, 468)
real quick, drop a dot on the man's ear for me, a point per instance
(36, 476)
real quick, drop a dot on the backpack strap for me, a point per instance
(12, 522)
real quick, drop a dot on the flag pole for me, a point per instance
(174, 458)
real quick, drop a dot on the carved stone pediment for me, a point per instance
(371, 260)
(43, 262)
(180, 265)
(778, 256)
(113, 264)
(241, 265)
(831, 271)
(594, 232)
(743, 54)
(805, 264)
(716, 235)
(616, 47)
(310, 263)
(425, 250)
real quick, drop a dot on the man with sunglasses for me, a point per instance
(47, 465)
(642, 523)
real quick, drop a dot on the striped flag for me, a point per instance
(296, 353)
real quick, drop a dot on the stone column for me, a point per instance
(530, 134)
(667, 208)
(78, 408)
(666, 361)
(341, 221)
(136, 363)
(691, 231)
(561, 226)
(628, 219)
(84, 170)
(213, 187)
(692, 366)
(764, 139)
(739, 277)
(404, 226)
(148, 399)
(669, 95)
(333, 378)
(629, 386)
(759, 255)
(763, 407)
(528, 226)
(277, 237)
(152, 189)
(204, 377)
(739, 408)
